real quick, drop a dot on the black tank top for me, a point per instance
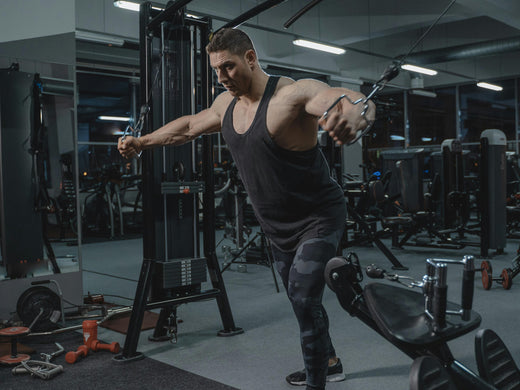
(292, 192)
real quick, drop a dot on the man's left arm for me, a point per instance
(342, 121)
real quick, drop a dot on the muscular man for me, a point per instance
(270, 125)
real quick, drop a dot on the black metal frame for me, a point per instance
(341, 277)
(149, 24)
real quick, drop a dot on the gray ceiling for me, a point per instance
(377, 31)
(373, 31)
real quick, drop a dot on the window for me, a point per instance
(483, 109)
(388, 130)
(432, 119)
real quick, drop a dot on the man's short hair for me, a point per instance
(232, 39)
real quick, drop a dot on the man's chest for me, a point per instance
(276, 114)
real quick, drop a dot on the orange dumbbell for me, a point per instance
(73, 356)
(89, 332)
(96, 345)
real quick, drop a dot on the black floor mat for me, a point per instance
(99, 371)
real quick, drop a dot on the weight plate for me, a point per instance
(31, 301)
(507, 278)
(487, 274)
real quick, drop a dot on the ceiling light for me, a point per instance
(395, 137)
(132, 6)
(114, 118)
(192, 16)
(90, 36)
(319, 46)
(423, 92)
(493, 87)
(347, 80)
(418, 69)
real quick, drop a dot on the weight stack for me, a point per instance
(179, 273)
(493, 178)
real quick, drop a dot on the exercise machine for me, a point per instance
(421, 324)
(175, 81)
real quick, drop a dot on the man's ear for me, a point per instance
(250, 57)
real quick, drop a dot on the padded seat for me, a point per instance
(399, 314)
(398, 220)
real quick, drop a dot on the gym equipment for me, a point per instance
(362, 191)
(73, 356)
(495, 363)
(419, 324)
(96, 346)
(48, 357)
(40, 298)
(14, 333)
(89, 332)
(172, 185)
(91, 341)
(254, 254)
(406, 177)
(506, 276)
(427, 373)
(41, 369)
(493, 184)
(21, 243)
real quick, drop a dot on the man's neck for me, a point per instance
(258, 83)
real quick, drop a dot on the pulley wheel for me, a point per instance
(487, 274)
(507, 278)
(332, 264)
(32, 301)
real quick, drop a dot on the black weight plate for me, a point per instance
(31, 301)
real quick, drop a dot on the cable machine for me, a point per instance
(175, 81)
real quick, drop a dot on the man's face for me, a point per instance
(233, 71)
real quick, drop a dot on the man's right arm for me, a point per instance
(180, 130)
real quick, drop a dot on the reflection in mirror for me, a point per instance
(38, 201)
(110, 186)
(40, 266)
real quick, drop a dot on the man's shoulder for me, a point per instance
(221, 102)
(299, 90)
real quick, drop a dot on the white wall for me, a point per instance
(23, 19)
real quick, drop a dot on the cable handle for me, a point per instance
(137, 129)
(440, 298)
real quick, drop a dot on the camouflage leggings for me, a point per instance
(302, 275)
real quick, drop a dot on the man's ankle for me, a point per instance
(333, 360)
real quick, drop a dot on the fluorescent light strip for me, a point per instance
(423, 92)
(493, 87)
(418, 69)
(99, 38)
(114, 118)
(130, 5)
(319, 46)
